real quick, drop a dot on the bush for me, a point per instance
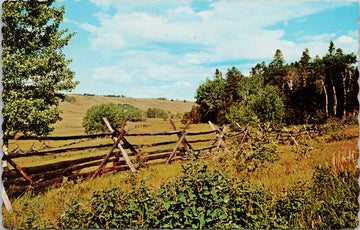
(132, 113)
(198, 199)
(194, 115)
(251, 155)
(70, 99)
(93, 119)
(336, 203)
(156, 113)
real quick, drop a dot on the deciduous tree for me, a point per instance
(35, 70)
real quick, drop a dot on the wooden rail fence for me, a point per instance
(19, 179)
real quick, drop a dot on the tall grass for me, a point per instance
(278, 177)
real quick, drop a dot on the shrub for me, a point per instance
(132, 113)
(156, 113)
(93, 119)
(251, 155)
(194, 115)
(201, 199)
(70, 99)
(335, 198)
(197, 199)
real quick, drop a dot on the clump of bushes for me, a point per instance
(194, 115)
(200, 199)
(70, 99)
(93, 120)
(251, 155)
(132, 113)
(156, 113)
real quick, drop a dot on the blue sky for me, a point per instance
(157, 48)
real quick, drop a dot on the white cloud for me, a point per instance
(319, 37)
(347, 44)
(114, 73)
(168, 91)
(353, 34)
(345, 39)
(228, 30)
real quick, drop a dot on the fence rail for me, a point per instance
(21, 179)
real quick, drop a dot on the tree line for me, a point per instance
(310, 90)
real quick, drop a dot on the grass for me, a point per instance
(42, 210)
(73, 112)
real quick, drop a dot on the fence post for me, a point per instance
(185, 143)
(220, 138)
(290, 135)
(117, 140)
(122, 133)
(4, 196)
(176, 147)
(245, 135)
(20, 170)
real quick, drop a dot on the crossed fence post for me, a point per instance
(181, 141)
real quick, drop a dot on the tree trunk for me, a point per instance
(326, 99)
(335, 100)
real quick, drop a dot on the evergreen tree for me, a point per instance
(276, 70)
(233, 86)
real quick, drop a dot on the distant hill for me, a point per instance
(75, 107)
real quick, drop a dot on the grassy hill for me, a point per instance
(73, 112)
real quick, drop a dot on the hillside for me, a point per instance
(72, 113)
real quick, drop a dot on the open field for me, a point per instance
(73, 112)
(43, 210)
(275, 177)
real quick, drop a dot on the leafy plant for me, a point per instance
(156, 113)
(93, 120)
(251, 155)
(302, 150)
(132, 113)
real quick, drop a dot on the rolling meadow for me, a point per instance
(260, 184)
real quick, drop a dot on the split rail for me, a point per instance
(281, 135)
(125, 154)
(122, 155)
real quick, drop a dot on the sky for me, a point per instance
(167, 48)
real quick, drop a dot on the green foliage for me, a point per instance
(200, 199)
(268, 105)
(112, 95)
(156, 113)
(311, 90)
(35, 70)
(194, 115)
(331, 202)
(335, 198)
(251, 155)
(210, 98)
(132, 113)
(70, 99)
(242, 114)
(93, 120)
(260, 106)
